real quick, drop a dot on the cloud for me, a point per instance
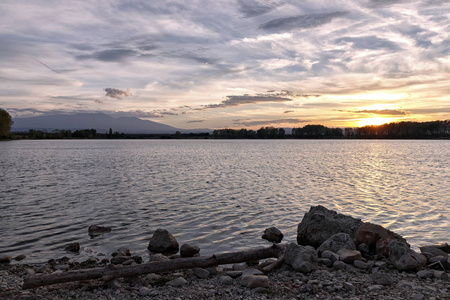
(288, 111)
(269, 122)
(369, 42)
(112, 55)
(116, 93)
(386, 112)
(271, 96)
(196, 121)
(251, 8)
(303, 21)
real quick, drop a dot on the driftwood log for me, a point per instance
(112, 271)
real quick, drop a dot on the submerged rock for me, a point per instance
(73, 247)
(163, 242)
(273, 235)
(95, 230)
(320, 223)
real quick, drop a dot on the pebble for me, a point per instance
(180, 281)
(201, 273)
(226, 280)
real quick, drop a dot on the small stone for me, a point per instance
(118, 260)
(375, 288)
(381, 278)
(30, 272)
(425, 274)
(201, 273)
(144, 291)
(273, 235)
(5, 259)
(239, 267)
(441, 275)
(326, 262)
(137, 259)
(254, 281)
(180, 281)
(123, 251)
(364, 248)
(234, 274)
(20, 257)
(330, 255)
(152, 277)
(164, 242)
(128, 262)
(252, 272)
(349, 287)
(225, 280)
(417, 297)
(360, 264)
(349, 256)
(381, 264)
(339, 265)
(213, 270)
(113, 284)
(158, 257)
(187, 250)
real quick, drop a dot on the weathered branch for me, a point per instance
(109, 273)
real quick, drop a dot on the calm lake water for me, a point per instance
(217, 194)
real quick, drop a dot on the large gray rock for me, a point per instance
(163, 242)
(301, 258)
(320, 223)
(273, 235)
(337, 242)
(403, 258)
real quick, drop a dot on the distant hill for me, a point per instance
(99, 121)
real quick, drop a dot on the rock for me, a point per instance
(214, 270)
(439, 263)
(187, 250)
(252, 272)
(433, 250)
(113, 284)
(225, 280)
(157, 257)
(118, 260)
(95, 230)
(303, 259)
(441, 275)
(201, 273)
(417, 297)
(273, 235)
(239, 267)
(381, 264)
(73, 247)
(129, 262)
(369, 234)
(137, 259)
(163, 242)
(339, 265)
(359, 264)
(349, 256)
(349, 287)
(330, 255)
(364, 248)
(403, 258)
(375, 288)
(319, 224)
(425, 274)
(381, 278)
(337, 242)
(30, 272)
(180, 281)
(234, 274)
(255, 281)
(123, 251)
(20, 257)
(144, 291)
(326, 262)
(5, 259)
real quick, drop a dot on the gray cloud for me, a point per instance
(196, 121)
(288, 111)
(369, 42)
(251, 8)
(385, 112)
(270, 122)
(116, 93)
(303, 21)
(112, 55)
(248, 99)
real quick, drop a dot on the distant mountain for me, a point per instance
(99, 121)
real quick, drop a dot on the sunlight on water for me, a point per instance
(219, 195)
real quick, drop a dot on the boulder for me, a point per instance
(403, 258)
(320, 223)
(163, 242)
(255, 281)
(377, 238)
(95, 230)
(349, 256)
(273, 235)
(337, 242)
(187, 250)
(73, 247)
(433, 251)
(301, 258)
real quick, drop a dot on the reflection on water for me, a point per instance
(219, 195)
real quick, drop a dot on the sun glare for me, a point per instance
(374, 121)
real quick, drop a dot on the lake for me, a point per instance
(217, 194)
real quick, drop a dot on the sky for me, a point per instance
(228, 64)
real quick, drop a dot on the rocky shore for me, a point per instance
(335, 257)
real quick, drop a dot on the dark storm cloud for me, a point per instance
(303, 21)
(369, 42)
(116, 93)
(113, 55)
(234, 100)
(251, 8)
(270, 122)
